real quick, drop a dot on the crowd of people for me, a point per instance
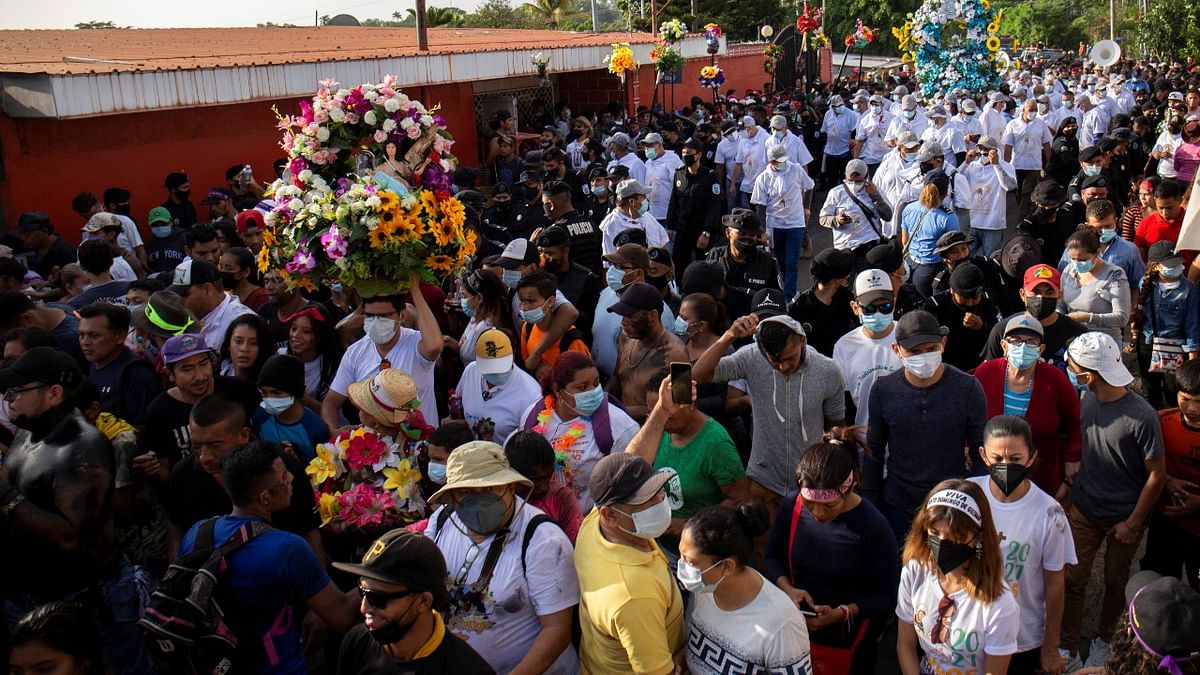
(643, 444)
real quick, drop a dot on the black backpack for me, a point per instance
(188, 627)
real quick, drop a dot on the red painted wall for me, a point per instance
(47, 162)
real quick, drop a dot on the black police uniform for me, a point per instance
(695, 208)
(585, 239)
(497, 222)
(1050, 236)
(744, 279)
(993, 282)
(530, 216)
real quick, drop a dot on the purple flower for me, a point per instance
(439, 120)
(306, 109)
(434, 178)
(297, 165)
(334, 244)
(302, 263)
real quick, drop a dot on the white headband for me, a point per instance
(960, 501)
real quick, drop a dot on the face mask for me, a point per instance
(645, 207)
(1008, 477)
(780, 135)
(1070, 376)
(949, 555)
(466, 309)
(599, 190)
(855, 187)
(877, 322)
(651, 153)
(511, 278)
(782, 166)
(1083, 266)
(691, 577)
(161, 231)
(1041, 307)
(910, 114)
(1091, 169)
(657, 282)
(923, 366)
(876, 108)
(497, 379)
(681, 327)
(392, 632)
(1022, 356)
(1172, 272)
(533, 315)
(837, 109)
(277, 406)
(689, 160)
(651, 523)
(482, 512)
(547, 208)
(587, 402)
(969, 115)
(910, 158)
(615, 278)
(926, 167)
(183, 194)
(503, 207)
(530, 193)
(1042, 108)
(1107, 236)
(1170, 285)
(380, 330)
(437, 472)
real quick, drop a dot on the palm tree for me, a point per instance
(552, 11)
(436, 16)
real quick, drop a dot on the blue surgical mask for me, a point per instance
(780, 134)
(910, 158)
(681, 327)
(1068, 105)
(533, 315)
(1021, 356)
(1091, 169)
(336, 287)
(910, 114)
(877, 322)
(1172, 272)
(1083, 266)
(498, 379)
(645, 206)
(615, 278)
(512, 278)
(466, 309)
(1075, 380)
(437, 472)
(276, 406)
(599, 190)
(161, 231)
(588, 402)
(651, 153)
(782, 165)
(1107, 236)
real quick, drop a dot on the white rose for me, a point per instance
(337, 115)
(391, 105)
(305, 176)
(322, 134)
(389, 124)
(342, 211)
(426, 120)
(295, 204)
(370, 118)
(373, 201)
(406, 123)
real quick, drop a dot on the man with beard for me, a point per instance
(584, 236)
(1040, 292)
(955, 250)
(644, 348)
(402, 581)
(56, 498)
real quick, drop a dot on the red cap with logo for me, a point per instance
(1042, 274)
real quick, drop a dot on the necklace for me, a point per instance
(562, 445)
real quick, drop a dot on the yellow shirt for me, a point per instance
(630, 607)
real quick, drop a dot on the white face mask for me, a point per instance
(651, 523)
(923, 366)
(381, 330)
(692, 577)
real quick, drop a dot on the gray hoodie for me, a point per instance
(790, 411)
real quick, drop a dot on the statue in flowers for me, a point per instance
(950, 43)
(367, 479)
(340, 218)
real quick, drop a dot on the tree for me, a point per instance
(434, 17)
(1169, 29)
(1063, 24)
(94, 25)
(552, 12)
(497, 14)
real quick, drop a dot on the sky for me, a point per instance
(168, 14)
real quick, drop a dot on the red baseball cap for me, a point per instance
(248, 219)
(1042, 274)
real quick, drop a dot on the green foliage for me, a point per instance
(1169, 29)
(95, 25)
(552, 13)
(497, 14)
(740, 20)
(1062, 24)
(840, 18)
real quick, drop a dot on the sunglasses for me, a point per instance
(881, 307)
(379, 599)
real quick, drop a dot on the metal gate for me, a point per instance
(798, 67)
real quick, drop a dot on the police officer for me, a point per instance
(694, 211)
(707, 137)
(579, 284)
(554, 165)
(600, 198)
(585, 237)
(955, 250)
(498, 218)
(749, 266)
(1050, 222)
(531, 215)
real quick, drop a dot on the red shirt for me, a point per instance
(1182, 455)
(1154, 228)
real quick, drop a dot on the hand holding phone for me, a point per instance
(681, 383)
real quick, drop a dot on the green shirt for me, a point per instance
(708, 462)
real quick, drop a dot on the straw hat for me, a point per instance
(386, 397)
(475, 465)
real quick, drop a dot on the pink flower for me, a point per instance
(380, 136)
(302, 263)
(351, 118)
(307, 110)
(297, 165)
(335, 245)
(321, 117)
(414, 132)
(363, 451)
(362, 505)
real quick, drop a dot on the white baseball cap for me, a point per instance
(1100, 352)
(871, 285)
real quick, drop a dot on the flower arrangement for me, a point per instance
(818, 41)
(712, 37)
(666, 58)
(563, 444)
(949, 43)
(365, 480)
(542, 63)
(620, 60)
(773, 52)
(672, 31)
(711, 77)
(861, 37)
(809, 20)
(339, 218)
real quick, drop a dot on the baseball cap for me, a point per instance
(749, 121)
(703, 276)
(693, 143)
(553, 153)
(481, 464)
(159, 214)
(631, 254)
(183, 347)
(778, 122)
(1164, 614)
(836, 99)
(986, 142)
(33, 220)
(856, 167)
(165, 316)
(631, 187)
(1100, 352)
(949, 240)
(633, 235)
(597, 171)
(101, 221)
(1041, 274)
(1097, 181)
(767, 303)
(966, 279)
(529, 175)
(908, 139)
(618, 172)
(621, 478)
(217, 195)
(651, 139)
(493, 352)
(885, 257)
(553, 236)
(42, 364)
(387, 396)
(1175, 96)
(1049, 192)
(1163, 253)
(405, 559)
(191, 272)
(248, 219)
(918, 328)
(930, 150)
(637, 297)
(660, 255)
(743, 220)
(833, 263)
(872, 285)
(968, 105)
(1089, 153)
(938, 111)
(175, 179)
(909, 103)
(620, 139)
(502, 114)
(1025, 323)
(776, 153)
(518, 253)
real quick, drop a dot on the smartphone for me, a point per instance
(806, 612)
(681, 383)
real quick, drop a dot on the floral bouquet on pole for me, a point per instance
(365, 200)
(366, 481)
(711, 77)
(621, 60)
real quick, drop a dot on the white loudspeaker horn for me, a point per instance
(1003, 62)
(1105, 53)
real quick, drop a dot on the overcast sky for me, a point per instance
(168, 14)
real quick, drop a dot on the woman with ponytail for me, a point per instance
(921, 224)
(738, 622)
(834, 555)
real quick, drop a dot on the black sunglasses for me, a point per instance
(379, 599)
(884, 307)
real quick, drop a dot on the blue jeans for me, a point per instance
(922, 278)
(731, 196)
(986, 242)
(789, 245)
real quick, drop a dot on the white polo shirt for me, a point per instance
(218, 320)
(362, 360)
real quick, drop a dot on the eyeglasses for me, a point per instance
(379, 599)
(472, 554)
(940, 632)
(880, 307)
(1013, 341)
(11, 395)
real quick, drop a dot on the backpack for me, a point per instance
(601, 424)
(188, 627)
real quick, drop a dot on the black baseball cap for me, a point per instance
(596, 171)
(966, 279)
(694, 144)
(886, 257)
(553, 236)
(1164, 614)
(1097, 181)
(918, 328)
(553, 154)
(191, 272)
(637, 297)
(1049, 192)
(768, 302)
(34, 220)
(624, 478)
(528, 176)
(703, 276)
(633, 235)
(660, 255)
(42, 364)
(618, 172)
(743, 220)
(1089, 153)
(405, 559)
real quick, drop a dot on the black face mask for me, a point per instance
(1008, 477)
(40, 425)
(121, 210)
(950, 555)
(1069, 133)
(393, 631)
(182, 195)
(744, 247)
(547, 209)
(1041, 308)
(657, 282)
(503, 207)
(689, 160)
(531, 193)
(926, 167)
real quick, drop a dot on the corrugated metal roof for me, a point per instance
(70, 52)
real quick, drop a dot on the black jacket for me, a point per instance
(695, 202)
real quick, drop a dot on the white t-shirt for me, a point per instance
(584, 453)
(859, 230)
(899, 125)
(660, 177)
(969, 126)
(466, 343)
(797, 151)
(121, 271)
(766, 636)
(975, 630)
(727, 154)
(783, 195)
(362, 360)
(1167, 142)
(617, 222)
(1034, 537)
(863, 360)
(949, 137)
(872, 129)
(217, 321)
(501, 622)
(1027, 140)
(499, 409)
(988, 186)
(312, 375)
(637, 168)
(752, 155)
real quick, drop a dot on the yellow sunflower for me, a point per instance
(387, 200)
(993, 44)
(440, 263)
(444, 232)
(470, 242)
(453, 211)
(264, 259)
(268, 237)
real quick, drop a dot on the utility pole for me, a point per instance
(1112, 19)
(422, 33)
(595, 24)
(316, 17)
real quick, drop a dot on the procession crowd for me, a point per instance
(641, 440)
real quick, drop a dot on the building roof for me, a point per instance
(74, 52)
(80, 73)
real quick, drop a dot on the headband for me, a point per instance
(311, 312)
(1167, 662)
(959, 501)
(162, 323)
(812, 495)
